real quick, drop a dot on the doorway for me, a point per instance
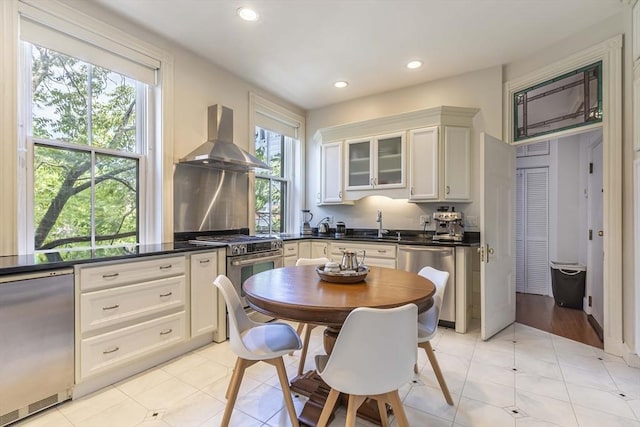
(559, 207)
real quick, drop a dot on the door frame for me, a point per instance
(591, 252)
(610, 53)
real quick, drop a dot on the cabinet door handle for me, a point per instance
(375, 181)
(382, 251)
(205, 261)
(411, 191)
(342, 249)
(324, 250)
(110, 275)
(113, 350)
(165, 267)
(113, 307)
(168, 294)
(448, 190)
(340, 194)
(167, 332)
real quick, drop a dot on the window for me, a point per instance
(278, 191)
(568, 101)
(271, 185)
(89, 147)
(86, 128)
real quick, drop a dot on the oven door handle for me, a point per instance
(254, 260)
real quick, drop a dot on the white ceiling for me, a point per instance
(298, 48)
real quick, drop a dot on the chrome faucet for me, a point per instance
(379, 221)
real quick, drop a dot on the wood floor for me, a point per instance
(541, 312)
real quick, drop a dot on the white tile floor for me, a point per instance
(521, 377)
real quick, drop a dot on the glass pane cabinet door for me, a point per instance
(389, 159)
(359, 164)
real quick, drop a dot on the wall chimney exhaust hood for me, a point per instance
(219, 151)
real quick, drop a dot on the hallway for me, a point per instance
(541, 312)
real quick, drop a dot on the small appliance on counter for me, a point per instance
(307, 216)
(323, 226)
(341, 229)
(449, 225)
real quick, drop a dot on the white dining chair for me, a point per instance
(372, 357)
(253, 342)
(307, 327)
(428, 324)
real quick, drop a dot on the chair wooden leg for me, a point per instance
(232, 390)
(298, 331)
(398, 409)
(284, 383)
(305, 347)
(436, 369)
(382, 409)
(352, 408)
(328, 407)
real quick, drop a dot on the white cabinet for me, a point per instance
(375, 162)
(440, 164)
(319, 249)
(457, 164)
(376, 255)
(204, 295)
(331, 173)
(423, 164)
(127, 310)
(304, 249)
(290, 250)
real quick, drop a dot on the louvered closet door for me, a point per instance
(532, 208)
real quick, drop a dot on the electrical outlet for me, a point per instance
(425, 219)
(471, 221)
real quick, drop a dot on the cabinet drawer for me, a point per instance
(372, 251)
(108, 350)
(380, 262)
(290, 249)
(128, 272)
(112, 306)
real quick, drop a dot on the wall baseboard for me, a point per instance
(631, 357)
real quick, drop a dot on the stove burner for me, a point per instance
(240, 244)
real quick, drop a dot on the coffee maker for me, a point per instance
(449, 225)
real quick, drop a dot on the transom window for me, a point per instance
(568, 101)
(87, 131)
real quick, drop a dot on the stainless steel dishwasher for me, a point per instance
(413, 258)
(36, 342)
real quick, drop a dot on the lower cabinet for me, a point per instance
(117, 347)
(376, 255)
(290, 254)
(319, 249)
(127, 310)
(204, 268)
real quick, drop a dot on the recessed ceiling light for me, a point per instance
(414, 64)
(340, 84)
(247, 14)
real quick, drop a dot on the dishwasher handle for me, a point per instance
(424, 249)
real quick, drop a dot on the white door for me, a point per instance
(532, 231)
(595, 249)
(497, 235)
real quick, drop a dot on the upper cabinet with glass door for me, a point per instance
(376, 162)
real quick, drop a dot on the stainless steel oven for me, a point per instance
(241, 267)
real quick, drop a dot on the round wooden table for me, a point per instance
(299, 294)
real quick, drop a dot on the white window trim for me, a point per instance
(157, 222)
(610, 53)
(296, 193)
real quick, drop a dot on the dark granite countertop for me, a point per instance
(407, 237)
(66, 259)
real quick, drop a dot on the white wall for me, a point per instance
(481, 89)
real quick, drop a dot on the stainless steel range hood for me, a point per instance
(219, 151)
